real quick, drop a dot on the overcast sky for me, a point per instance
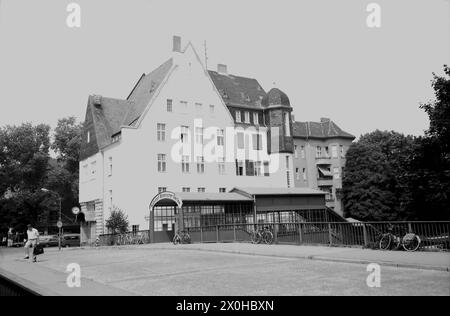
(320, 52)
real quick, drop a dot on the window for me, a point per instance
(238, 116)
(161, 132)
(169, 105)
(162, 189)
(302, 151)
(287, 162)
(287, 127)
(342, 152)
(161, 163)
(88, 137)
(198, 106)
(334, 152)
(266, 169)
(200, 190)
(247, 117)
(185, 164)
(211, 108)
(336, 173)
(258, 168)
(257, 141)
(327, 153)
(184, 134)
(239, 167)
(135, 228)
(186, 189)
(199, 135)
(256, 118)
(288, 179)
(85, 171)
(200, 164)
(220, 137)
(295, 151)
(304, 174)
(110, 199)
(249, 168)
(318, 152)
(240, 138)
(222, 190)
(184, 106)
(297, 173)
(110, 166)
(221, 165)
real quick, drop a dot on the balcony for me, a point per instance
(323, 160)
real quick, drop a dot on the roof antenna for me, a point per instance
(206, 56)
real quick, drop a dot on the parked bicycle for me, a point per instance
(263, 235)
(390, 241)
(181, 237)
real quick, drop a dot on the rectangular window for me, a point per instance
(110, 166)
(110, 199)
(318, 152)
(336, 173)
(198, 106)
(239, 167)
(287, 126)
(258, 168)
(342, 152)
(184, 106)
(240, 140)
(135, 228)
(257, 141)
(266, 169)
(256, 118)
(161, 132)
(93, 168)
(297, 173)
(238, 116)
(200, 164)
(221, 165)
(302, 151)
(185, 164)
(249, 168)
(200, 190)
(334, 152)
(161, 163)
(211, 108)
(247, 117)
(327, 153)
(169, 105)
(186, 189)
(220, 137)
(85, 171)
(304, 174)
(184, 137)
(199, 135)
(295, 151)
(162, 189)
(222, 190)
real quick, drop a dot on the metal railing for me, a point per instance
(434, 235)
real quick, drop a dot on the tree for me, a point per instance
(67, 142)
(373, 183)
(117, 221)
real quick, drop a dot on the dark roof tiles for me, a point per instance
(323, 129)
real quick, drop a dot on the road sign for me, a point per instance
(75, 210)
(59, 224)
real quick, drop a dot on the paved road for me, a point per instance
(212, 269)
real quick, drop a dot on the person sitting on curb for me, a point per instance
(32, 241)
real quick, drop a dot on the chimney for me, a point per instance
(222, 69)
(176, 44)
(97, 100)
(324, 119)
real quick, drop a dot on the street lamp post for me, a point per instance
(59, 220)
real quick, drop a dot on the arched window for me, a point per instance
(286, 124)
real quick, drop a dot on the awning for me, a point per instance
(325, 172)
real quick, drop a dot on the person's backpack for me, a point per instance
(38, 250)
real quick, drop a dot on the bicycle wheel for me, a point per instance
(254, 237)
(268, 237)
(385, 242)
(186, 239)
(411, 242)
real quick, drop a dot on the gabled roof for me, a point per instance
(144, 90)
(236, 91)
(324, 129)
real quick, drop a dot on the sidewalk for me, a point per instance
(439, 261)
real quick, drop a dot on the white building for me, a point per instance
(181, 129)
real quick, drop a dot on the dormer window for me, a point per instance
(238, 116)
(247, 117)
